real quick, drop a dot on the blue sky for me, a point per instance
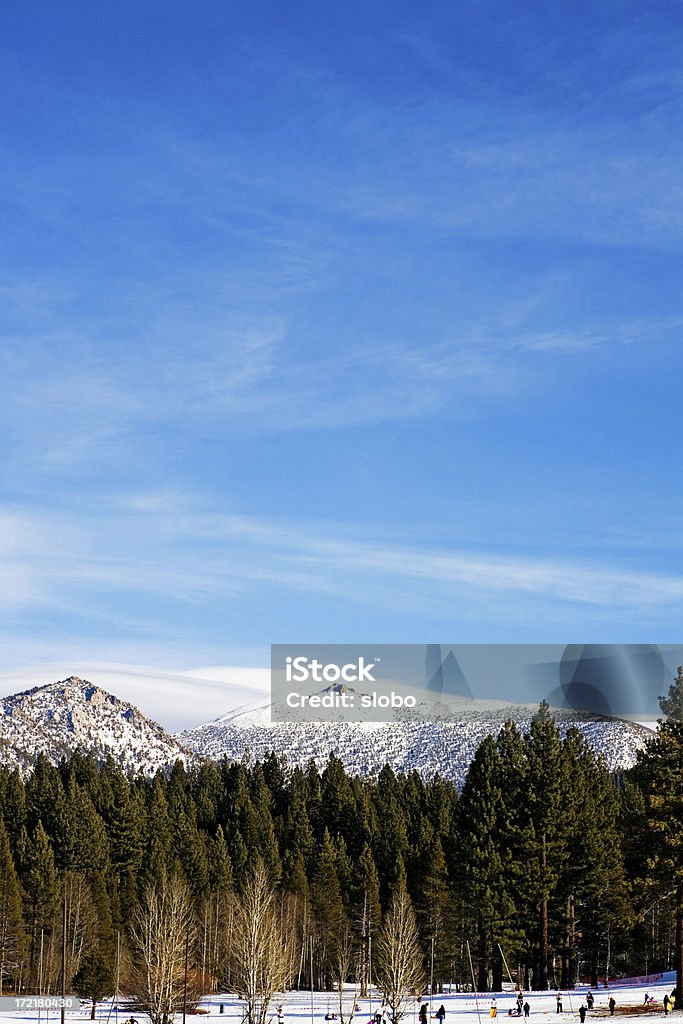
(335, 323)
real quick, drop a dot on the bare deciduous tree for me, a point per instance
(399, 966)
(347, 965)
(262, 948)
(163, 929)
(81, 932)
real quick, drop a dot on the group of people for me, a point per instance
(521, 1008)
(423, 1015)
(669, 1001)
(588, 1005)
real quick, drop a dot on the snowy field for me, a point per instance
(461, 1008)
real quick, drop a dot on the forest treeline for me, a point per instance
(544, 866)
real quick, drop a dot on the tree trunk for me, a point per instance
(541, 972)
(92, 1012)
(566, 977)
(497, 969)
(483, 959)
(594, 957)
(679, 946)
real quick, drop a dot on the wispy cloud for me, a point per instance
(169, 550)
(205, 370)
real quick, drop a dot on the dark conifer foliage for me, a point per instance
(550, 869)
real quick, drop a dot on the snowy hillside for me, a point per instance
(445, 747)
(75, 715)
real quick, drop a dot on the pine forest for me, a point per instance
(545, 869)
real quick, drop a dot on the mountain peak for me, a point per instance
(74, 714)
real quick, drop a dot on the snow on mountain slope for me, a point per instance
(72, 714)
(446, 747)
(61, 717)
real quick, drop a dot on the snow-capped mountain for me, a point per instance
(446, 747)
(72, 714)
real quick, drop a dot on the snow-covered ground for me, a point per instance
(461, 1008)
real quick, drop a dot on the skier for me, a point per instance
(493, 1012)
(612, 1005)
(590, 1000)
(582, 1013)
(559, 1002)
(520, 1002)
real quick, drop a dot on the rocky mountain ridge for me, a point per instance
(73, 714)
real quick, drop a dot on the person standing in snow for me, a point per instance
(527, 1010)
(612, 1006)
(666, 1004)
(441, 1014)
(423, 1014)
(590, 1000)
(493, 1012)
(582, 1013)
(559, 1002)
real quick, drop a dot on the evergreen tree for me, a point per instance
(327, 904)
(548, 832)
(95, 978)
(294, 879)
(593, 891)
(46, 804)
(207, 790)
(40, 886)
(390, 844)
(239, 856)
(338, 803)
(126, 825)
(433, 905)
(482, 881)
(14, 805)
(101, 903)
(156, 863)
(659, 773)
(366, 911)
(672, 704)
(12, 936)
(85, 845)
(219, 864)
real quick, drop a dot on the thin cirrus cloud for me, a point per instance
(166, 548)
(251, 378)
(427, 258)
